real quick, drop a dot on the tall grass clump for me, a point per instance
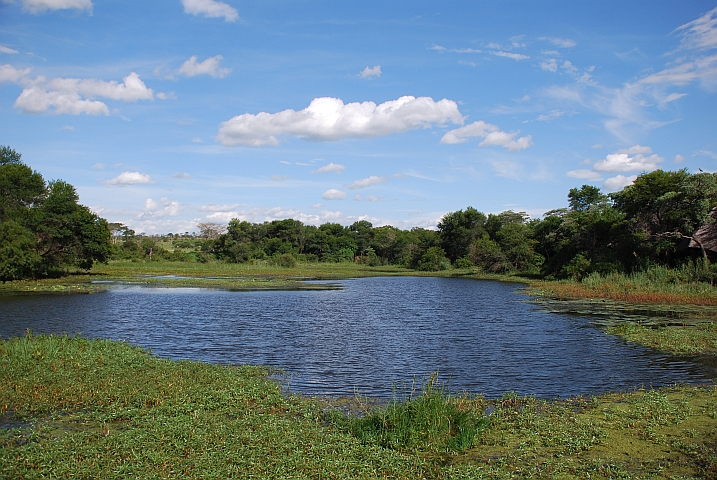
(430, 422)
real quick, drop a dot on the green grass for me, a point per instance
(79, 408)
(688, 339)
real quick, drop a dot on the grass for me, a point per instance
(73, 407)
(686, 340)
(656, 286)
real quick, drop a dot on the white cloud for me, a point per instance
(372, 198)
(514, 56)
(74, 96)
(618, 182)
(679, 158)
(211, 207)
(69, 128)
(358, 198)
(327, 119)
(166, 95)
(329, 216)
(622, 161)
(437, 48)
(38, 6)
(8, 50)
(560, 42)
(279, 178)
(166, 208)
(705, 153)
(182, 175)
(702, 68)
(331, 167)
(333, 194)
(585, 174)
(700, 34)
(569, 67)
(130, 178)
(210, 66)
(210, 8)
(8, 73)
(98, 166)
(367, 182)
(371, 72)
(550, 115)
(550, 65)
(491, 135)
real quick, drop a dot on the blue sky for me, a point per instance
(168, 113)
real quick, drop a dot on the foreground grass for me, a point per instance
(73, 407)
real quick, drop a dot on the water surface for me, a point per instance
(366, 338)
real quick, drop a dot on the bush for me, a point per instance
(434, 260)
(285, 260)
(432, 422)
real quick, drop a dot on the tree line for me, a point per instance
(657, 220)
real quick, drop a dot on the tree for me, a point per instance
(459, 229)
(667, 206)
(42, 226)
(211, 230)
(585, 197)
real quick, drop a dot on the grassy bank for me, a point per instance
(73, 407)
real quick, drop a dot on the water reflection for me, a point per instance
(366, 337)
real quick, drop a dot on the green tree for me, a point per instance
(667, 206)
(459, 229)
(42, 227)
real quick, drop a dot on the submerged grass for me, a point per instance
(72, 407)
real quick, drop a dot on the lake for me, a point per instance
(372, 336)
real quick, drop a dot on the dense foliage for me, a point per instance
(42, 227)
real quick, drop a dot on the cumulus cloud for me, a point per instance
(130, 178)
(634, 159)
(39, 6)
(490, 134)
(163, 208)
(560, 42)
(210, 66)
(330, 168)
(371, 72)
(333, 194)
(679, 158)
(618, 182)
(210, 8)
(367, 182)
(74, 96)
(8, 50)
(8, 73)
(513, 56)
(327, 119)
(551, 65)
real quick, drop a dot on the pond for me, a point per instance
(371, 337)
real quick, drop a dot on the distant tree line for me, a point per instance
(663, 218)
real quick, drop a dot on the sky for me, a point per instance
(170, 113)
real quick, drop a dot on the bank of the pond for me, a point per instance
(96, 408)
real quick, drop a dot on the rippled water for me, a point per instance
(366, 338)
